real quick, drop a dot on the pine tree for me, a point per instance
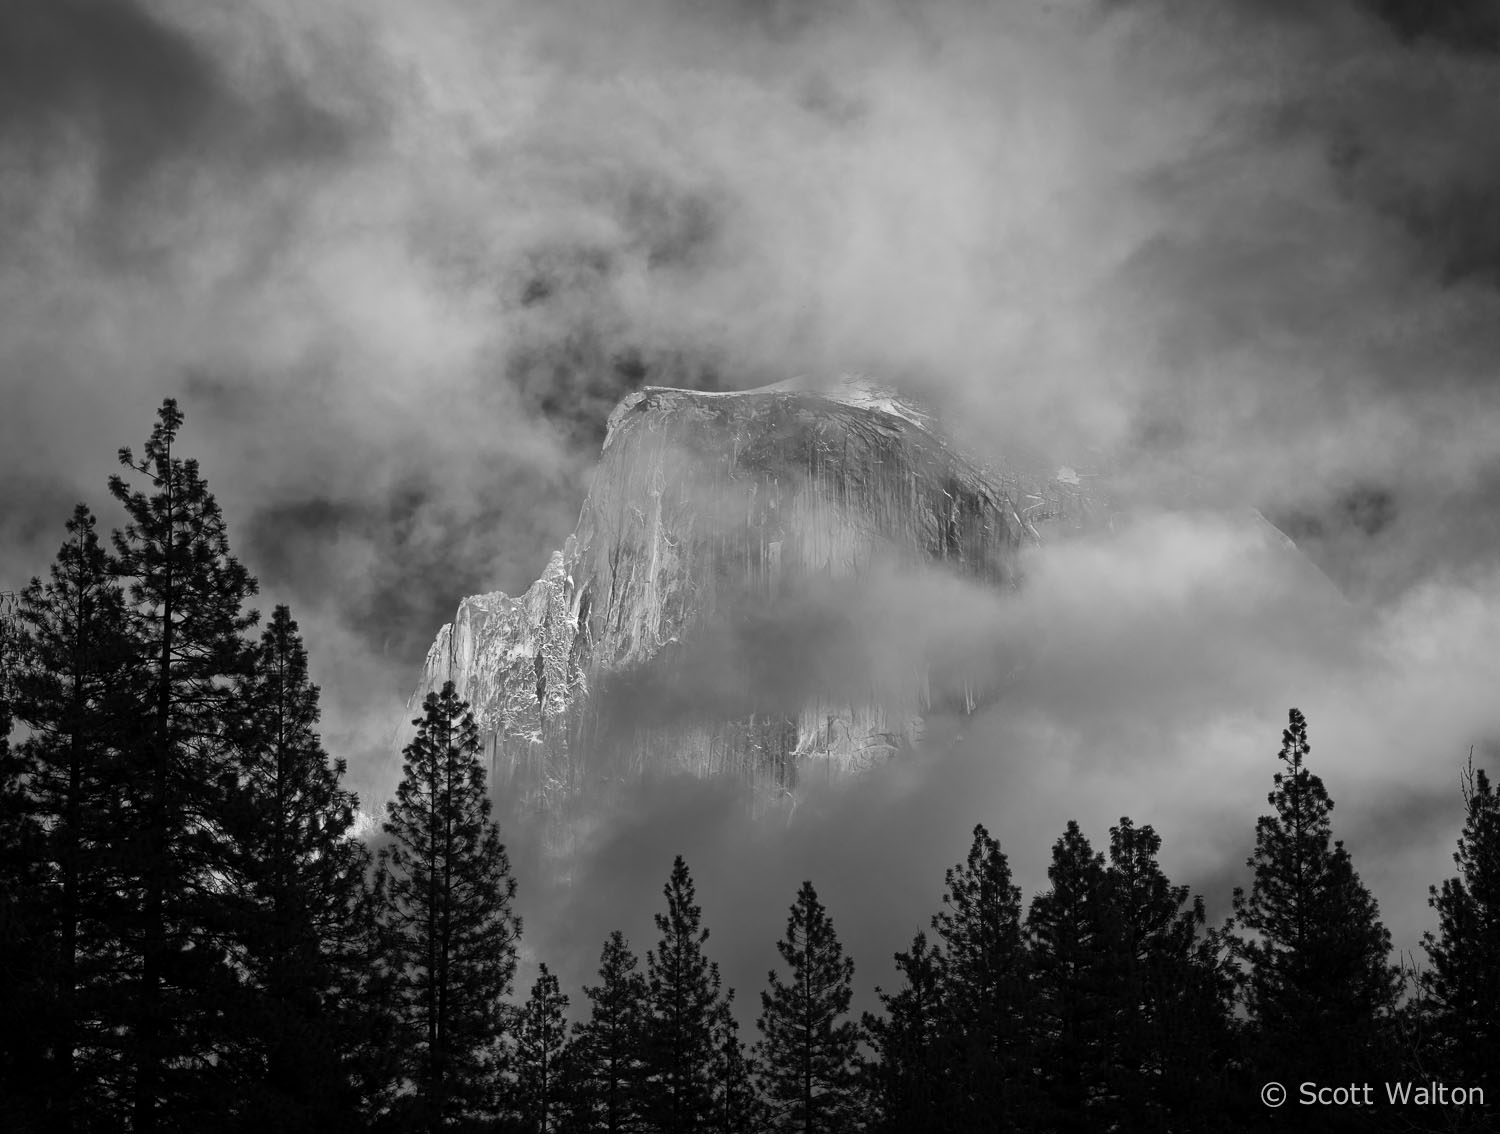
(1462, 986)
(1320, 984)
(448, 893)
(1070, 960)
(75, 699)
(737, 1106)
(610, 1043)
(984, 987)
(1167, 994)
(684, 1001)
(807, 1056)
(24, 993)
(909, 1078)
(376, 1058)
(187, 620)
(541, 1043)
(298, 882)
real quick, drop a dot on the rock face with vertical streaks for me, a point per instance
(693, 620)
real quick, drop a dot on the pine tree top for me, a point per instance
(175, 541)
(820, 972)
(983, 914)
(1319, 944)
(681, 926)
(1465, 952)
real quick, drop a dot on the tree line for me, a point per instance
(192, 937)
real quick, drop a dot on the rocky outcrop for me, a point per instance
(699, 618)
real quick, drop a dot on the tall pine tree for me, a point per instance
(1130, 1007)
(540, 1045)
(448, 895)
(376, 1057)
(1071, 945)
(610, 1044)
(1462, 985)
(187, 619)
(75, 699)
(1320, 984)
(1169, 994)
(24, 992)
(807, 1058)
(298, 881)
(909, 1079)
(685, 1002)
(737, 1107)
(984, 988)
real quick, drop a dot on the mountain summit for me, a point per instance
(698, 619)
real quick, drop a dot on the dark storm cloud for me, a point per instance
(1345, 529)
(378, 562)
(1404, 821)
(1417, 143)
(37, 507)
(1466, 25)
(150, 105)
(1323, 312)
(143, 89)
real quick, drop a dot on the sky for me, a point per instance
(397, 262)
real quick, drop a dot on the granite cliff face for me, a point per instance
(695, 620)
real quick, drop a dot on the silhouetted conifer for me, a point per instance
(297, 883)
(909, 1079)
(1168, 990)
(609, 1045)
(376, 1059)
(24, 992)
(540, 1045)
(1320, 985)
(738, 1108)
(1462, 986)
(983, 970)
(73, 696)
(684, 1001)
(451, 934)
(1071, 954)
(187, 618)
(807, 1059)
